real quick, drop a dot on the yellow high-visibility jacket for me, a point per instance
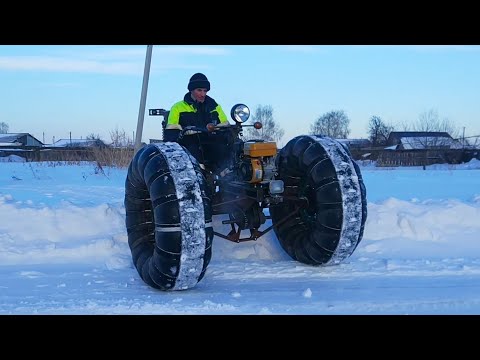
(189, 113)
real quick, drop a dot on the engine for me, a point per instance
(257, 163)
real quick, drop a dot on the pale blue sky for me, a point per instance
(50, 91)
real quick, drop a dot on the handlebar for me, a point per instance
(208, 129)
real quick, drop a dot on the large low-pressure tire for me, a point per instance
(321, 170)
(168, 217)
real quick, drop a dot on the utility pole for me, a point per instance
(143, 98)
(463, 142)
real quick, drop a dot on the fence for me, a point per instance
(105, 156)
(122, 156)
(421, 157)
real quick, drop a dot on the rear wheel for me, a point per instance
(168, 217)
(321, 170)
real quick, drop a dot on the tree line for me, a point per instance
(335, 124)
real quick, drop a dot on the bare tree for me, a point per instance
(429, 121)
(270, 130)
(93, 136)
(120, 138)
(378, 131)
(402, 125)
(3, 128)
(334, 124)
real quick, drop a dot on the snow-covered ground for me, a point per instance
(64, 250)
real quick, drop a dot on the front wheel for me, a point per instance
(168, 217)
(321, 170)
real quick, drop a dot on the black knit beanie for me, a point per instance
(198, 81)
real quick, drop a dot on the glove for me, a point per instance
(171, 135)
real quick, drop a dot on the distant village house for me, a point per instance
(19, 139)
(420, 140)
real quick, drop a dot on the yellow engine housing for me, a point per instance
(257, 171)
(258, 149)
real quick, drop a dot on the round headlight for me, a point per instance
(240, 113)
